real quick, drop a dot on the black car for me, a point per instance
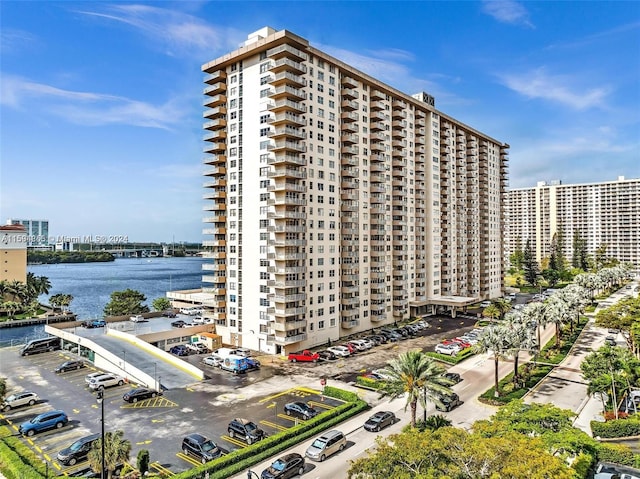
(379, 421)
(300, 410)
(449, 402)
(77, 451)
(139, 394)
(72, 365)
(180, 350)
(179, 324)
(454, 377)
(326, 355)
(169, 314)
(200, 447)
(246, 430)
(285, 467)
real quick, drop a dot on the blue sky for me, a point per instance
(101, 102)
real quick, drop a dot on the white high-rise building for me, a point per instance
(37, 231)
(606, 213)
(336, 203)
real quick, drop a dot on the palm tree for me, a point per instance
(44, 285)
(519, 337)
(503, 306)
(417, 375)
(535, 312)
(557, 311)
(491, 312)
(435, 422)
(116, 452)
(492, 340)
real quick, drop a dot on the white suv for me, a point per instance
(449, 349)
(106, 381)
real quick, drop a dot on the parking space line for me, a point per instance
(320, 404)
(156, 402)
(293, 419)
(233, 441)
(273, 425)
(270, 398)
(190, 460)
(161, 469)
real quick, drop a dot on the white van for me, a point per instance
(225, 352)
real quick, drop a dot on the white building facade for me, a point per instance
(335, 203)
(606, 213)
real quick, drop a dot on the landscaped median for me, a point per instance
(17, 461)
(242, 459)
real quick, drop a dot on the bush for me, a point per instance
(509, 392)
(582, 465)
(143, 461)
(368, 382)
(462, 355)
(616, 428)
(616, 453)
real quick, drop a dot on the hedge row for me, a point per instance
(242, 459)
(17, 461)
(462, 355)
(618, 454)
(616, 428)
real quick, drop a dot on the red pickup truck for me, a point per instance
(303, 356)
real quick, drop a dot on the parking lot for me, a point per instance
(157, 424)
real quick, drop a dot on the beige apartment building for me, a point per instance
(606, 213)
(336, 203)
(13, 253)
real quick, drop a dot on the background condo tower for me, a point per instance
(336, 203)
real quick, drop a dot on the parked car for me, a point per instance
(244, 352)
(326, 445)
(326, 355)
(353, 349)
(245, 430)
(450, 342)
(289, 465)
(304, 356)
(51, 343)
(179, 350)
(198, 348)
(106, 381)
(300, 410)
(96, 323)
(179, 324)
(138, 318)
(213, 360)
(25, 398)
(169, 314)
(361, 344)
(611, 341)
(462, 343)
(382, 374)
(455, 377)
(449, 402)
(91, 376)
(42, 422)
(379, 421)
(140, 394)
(78, 451)
(200, 447)
(449, 350)
(72, 365)
(252, 364)
(340, 351)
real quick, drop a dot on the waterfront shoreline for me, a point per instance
(19, 323)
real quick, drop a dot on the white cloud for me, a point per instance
(507, 11)
(87, 108)
(176, 32)
(557, 88)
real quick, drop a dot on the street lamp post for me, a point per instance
(251, 474)
(100, 400)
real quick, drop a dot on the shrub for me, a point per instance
(582, 465)
(616, 453)
(368, 382)
(143, 461)
(616, 428)
(462, 355)
(509, 392)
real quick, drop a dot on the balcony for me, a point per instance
(216, 148)
(349, 323)
(216, 100)
(286, 201)
(215, 135)
(285, 64)
(349, 105)
(288, 118)
(216, 88)
(377, 146)
(288, 78)
(349, 93)
(280, 172)
(287, 131)
(399, 115)
(282, 158)
(214, 219)
(349, 184)
(286, 215)
(286, 91)
(349, 139)
(349, 82)
(376, 106)
(290, 339)
(287, 51)
(348, 172)
(287, 105)
(288, 325)
(288, 146)
(349, 150)
(216, 124)
(377, 116)
(349, 116)
(213, 113)
(376, 126)
(287, 186)
(215, 77)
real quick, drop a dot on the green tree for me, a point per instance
(161, 304)
(116, 453)
(143, 461)
(529, 265)
(494, 341)
(517, 257)
(491, 312)
(434, 422)
(418, 376)
(126, 302)
(623, 316)
(580, 257)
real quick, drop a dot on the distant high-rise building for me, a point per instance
(336, 203)
(13, 253)
(601, 214)
(37, 231)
